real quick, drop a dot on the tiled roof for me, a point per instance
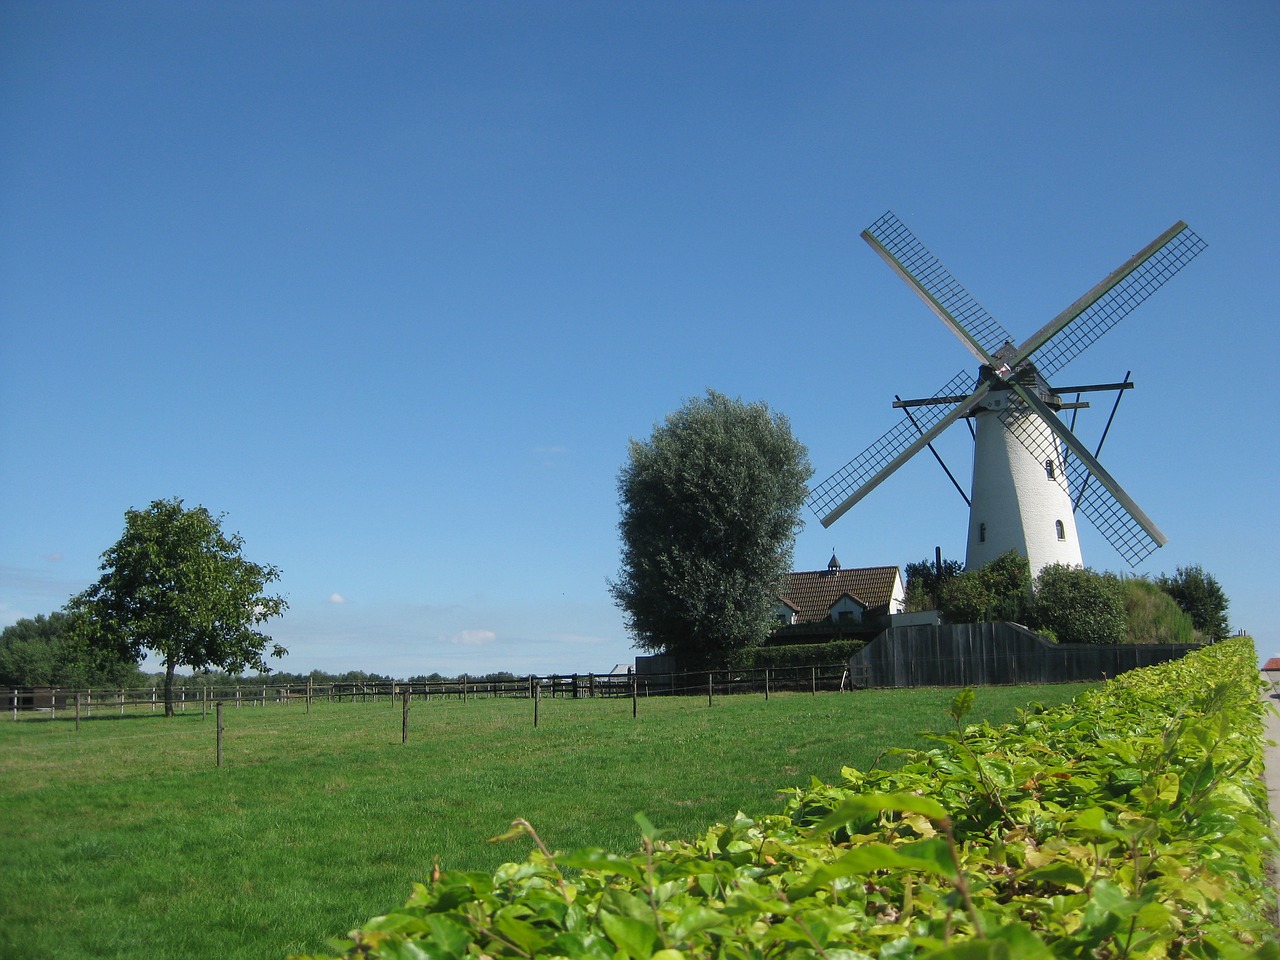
(811, 593)
(1272, 664)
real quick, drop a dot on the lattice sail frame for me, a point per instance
(833, 492)
(944, 290)
(1123, 298)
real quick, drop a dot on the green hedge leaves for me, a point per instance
(1132, 823)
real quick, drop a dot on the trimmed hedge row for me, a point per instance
(804, 654)
(1132, 823)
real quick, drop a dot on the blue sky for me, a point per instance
(392, 284)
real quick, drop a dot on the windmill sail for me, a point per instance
(934, 284)
(831, 498)
(1081, 324)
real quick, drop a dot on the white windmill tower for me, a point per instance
(1030, 472)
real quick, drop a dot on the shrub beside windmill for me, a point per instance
(1030, 472)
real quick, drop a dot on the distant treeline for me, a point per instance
(42, 652)
(285, 678)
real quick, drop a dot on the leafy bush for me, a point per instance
(1130, 823)
(1152, 616)
(1202, 597)
(1001, 590)
(1079, 605)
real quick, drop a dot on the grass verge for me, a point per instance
(125, 838)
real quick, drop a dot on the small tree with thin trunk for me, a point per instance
(175, 585)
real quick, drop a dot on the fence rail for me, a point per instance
(99, 701)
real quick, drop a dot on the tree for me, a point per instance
(1202, 597)
(1000, 590)
(710, 510)
(43, 651)
(1079, 605)
(925, 580)
(176, 585)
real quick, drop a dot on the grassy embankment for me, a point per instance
(124, 839)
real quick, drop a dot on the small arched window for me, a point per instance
(982, 533)
(1062, 531)
(1049, 470)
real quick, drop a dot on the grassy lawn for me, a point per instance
(124, 839)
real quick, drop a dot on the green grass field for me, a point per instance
(125, 840)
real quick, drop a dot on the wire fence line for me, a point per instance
(50, 702)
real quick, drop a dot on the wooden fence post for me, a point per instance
(537, 701)
(219, 725)
(813, 679)
(766, 684)
(404, 719)
(77, 713)
(635, 697)
(710, 687)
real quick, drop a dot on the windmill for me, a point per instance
(1030, 472)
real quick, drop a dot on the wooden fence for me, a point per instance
(90, 702)
(984, 654)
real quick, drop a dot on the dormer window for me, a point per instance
(1062, 530)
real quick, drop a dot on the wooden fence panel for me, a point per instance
(994, 654)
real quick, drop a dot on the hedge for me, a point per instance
(804, 654)
(1132, 823)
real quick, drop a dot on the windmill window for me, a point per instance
(1062, 531)
(1049, 469)
(982, 533)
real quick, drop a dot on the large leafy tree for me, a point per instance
(174, 584)
(1202, 598)
(710, 510)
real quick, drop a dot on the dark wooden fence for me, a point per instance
(978, 654)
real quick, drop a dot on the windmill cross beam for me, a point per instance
(1030, 472)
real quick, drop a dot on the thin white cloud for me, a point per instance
(578, 638)
(473, 638)
(54, 557)
(550, 451)
(337, 598)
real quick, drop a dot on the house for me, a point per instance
(838, 595)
